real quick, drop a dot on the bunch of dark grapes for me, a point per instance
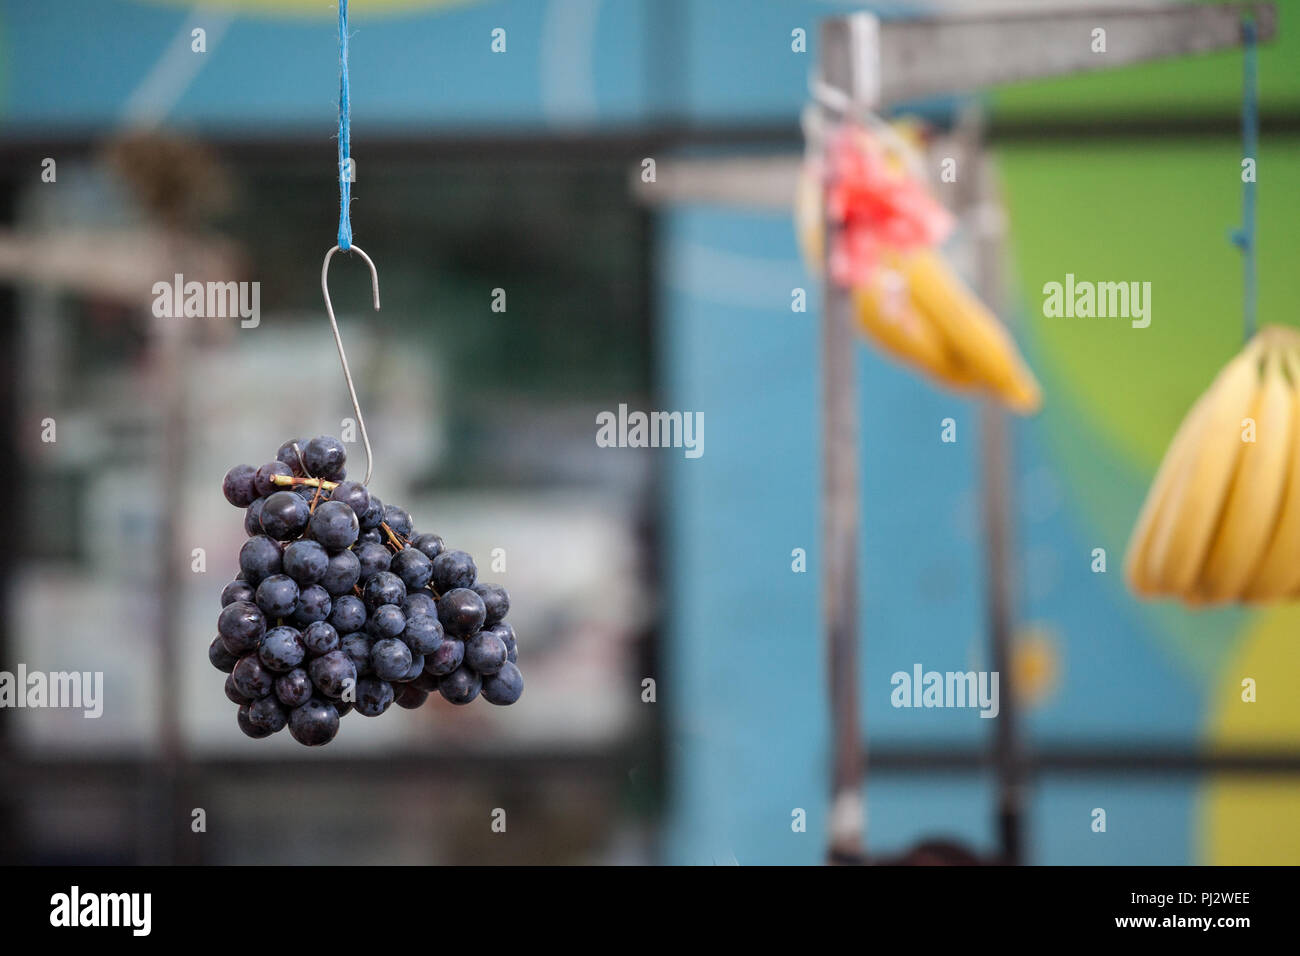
(340, 605)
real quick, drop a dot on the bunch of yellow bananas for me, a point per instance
(1222, 519)
(916, 309)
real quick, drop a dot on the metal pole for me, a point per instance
(840, 542)
(171, 797)
(984, 213)
(848, 63)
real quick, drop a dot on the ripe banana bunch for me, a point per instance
(1222, 519)
(918, 310)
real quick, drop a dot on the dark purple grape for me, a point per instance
(248, 727)
(313, 605)
(325, 457)
(496, 602)
(233, 694)
(292, 456)
(333, 673)
(282, 649)
(267, 714)
(236, 591)
(241, 626)
(398, 520)
(386, 621)
(294, 688)
(348, 614)
(344, 707)
(263, 480)
(354, 495)
(449, 656)
(250, 678)
(485, 653)
(461, 612)
(284, 516)
(306, 561)
(390, 659)
(374, 558)
(373, 536)
(412, 567)
(460, 686)
(334, 525)
(253, 517)
(430, 545)
(357, 647)
(415, 670)
(220, 655)
(374, 515)
(507, 635)
(453, 569)
(421, 602)
(320, 638)
(314, 723)
(259, 558)
(373, 696)
(410, 697)
(383, 587)
(423, 634)
(277, 596)
(237, 486)
(505, 686)
(341, 576)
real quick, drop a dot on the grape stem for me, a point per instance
(395, 541)
(290, 480)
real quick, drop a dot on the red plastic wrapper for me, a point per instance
(876, 205)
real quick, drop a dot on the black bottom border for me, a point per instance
(333, 905)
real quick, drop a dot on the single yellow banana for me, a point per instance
(971, 330)
(1182, 537)
(1256, 493)
(1140, 569)
(1278, 573)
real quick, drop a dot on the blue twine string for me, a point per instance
(1244, 238)
(345, 125)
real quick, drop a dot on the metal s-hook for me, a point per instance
(338, 340)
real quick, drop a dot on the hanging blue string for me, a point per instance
(1244, 238)
(345, 147)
